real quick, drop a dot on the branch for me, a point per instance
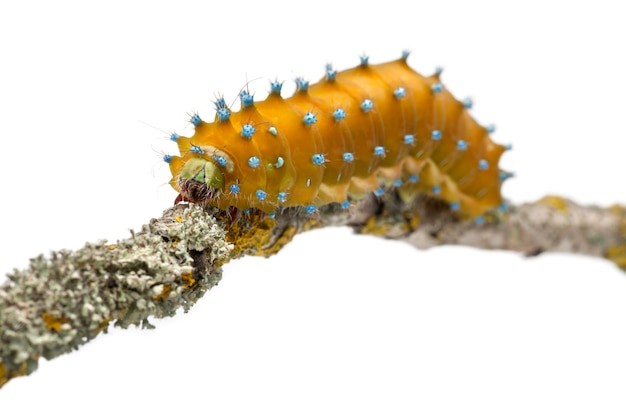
(552, 224)
(62, 302)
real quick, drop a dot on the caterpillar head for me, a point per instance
(200, 180)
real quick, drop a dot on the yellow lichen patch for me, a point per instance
(103, 325)
(620, 213)
(249, 237)
(54, 323)
(179, 219)
(257, 236)
(6, 375)
(188, 279)
(219, 263)
(310, 224)
(373, 227)
(111, 247)
(617, 254)
(555, 202)
(412, 221)
(494, 217)
(3, 375)
(270, 248)
(285, 238)
(165, 292)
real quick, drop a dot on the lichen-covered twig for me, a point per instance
(62, 302)
(552, 224)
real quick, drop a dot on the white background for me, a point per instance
(88, 95)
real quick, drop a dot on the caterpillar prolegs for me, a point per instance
(334, 141)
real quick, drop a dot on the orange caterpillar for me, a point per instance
(334, 141)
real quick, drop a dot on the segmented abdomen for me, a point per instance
(343, 137)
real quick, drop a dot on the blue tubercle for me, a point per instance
(345, 205)
(436, 189)
(436, 135)
(247, 131)
(409, 139)
(490, 128)
(246, 211)
(318, 159)
(483, 164)
(367, 105)
(400, 92)
(271, 215)
(379, 192)
(195, 120)
(220, 160)
(508, 146)
(309, 118)
(167, 158)
(261, 195)
(223, 114)
(220, 103)
(174, 137)
(414, 178)
(339, 114)
(468, 103)
(437, 88)
(234, 188)
(364, 60)
(196, 149)
(461, 144)
(331, 73)
(379, 151)
(301, 84)
(397, 183)
(310, 209)
(276, 86)
(279, 162)
(405, 54)
(504, 207)
(246, 98)
(455, 205)
(348, 157)
(282, 197)
(505, 175)
(272, 130)
(254, 162)
(479, 220)
(438, 71)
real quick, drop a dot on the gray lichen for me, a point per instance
(62, 302)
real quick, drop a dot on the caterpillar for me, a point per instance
(354, 132)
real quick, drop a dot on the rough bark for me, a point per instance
(64, 301)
